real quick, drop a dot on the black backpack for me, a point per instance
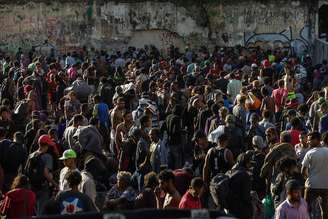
(220, 190)
(34, 169)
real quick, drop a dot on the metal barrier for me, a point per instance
(139, 214)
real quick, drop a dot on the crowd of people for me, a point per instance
(243, 131)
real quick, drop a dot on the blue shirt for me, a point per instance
(323, 124)
(102, 113)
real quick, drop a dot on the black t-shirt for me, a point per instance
(13, 155)
(73, 203)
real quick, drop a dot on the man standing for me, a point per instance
(166, 184)
(116, 117)
(294, 207)
(69, 160)
(314, 168)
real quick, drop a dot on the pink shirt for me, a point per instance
(288, 211)
(72, 73)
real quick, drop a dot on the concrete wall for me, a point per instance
(67, 25)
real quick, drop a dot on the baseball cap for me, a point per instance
(258, 142)
(293, 185)
(68, 154)
(45, 139)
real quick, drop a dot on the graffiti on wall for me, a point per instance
(298, 44)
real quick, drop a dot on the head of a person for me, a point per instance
(294, 190)
(69, 158)
(154, 134)
(230, 120)
(303, 138)
(200, 139)
(291, 114)
(296, 123)
(145, 121)
(254, 119)
(266, 114)
(288, 165)
(271, 135)
(19, 137)
(197, 186)
(4, 112)
(281, 83)
(285, 137)
(44, 142)
(241, 100)
(72, 95)
(127, 117)
(166, 180)
(120, 103)
(313, 139)
(150, 180)
(223, 140)
(324, 108)
(244, 160)
(77, 120)
(73, 178)
(123, 180)
(258, 142)
(96, 99)
(20, 181)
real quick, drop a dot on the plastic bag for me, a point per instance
(268, 207)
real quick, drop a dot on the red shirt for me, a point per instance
(190, 202)
(295, 136)
(20, 203)
(278, 95)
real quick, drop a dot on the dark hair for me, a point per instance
(94, 121)
(144, 119)
(215, 108)
(77, 119)
(197, 182)
(166, 176)
(266, 114)
(285, 137)
(73, 178)
(295, 122)
(264, 91)
(3, 109)
(223, 138)
(314, 135)
(286, 163)
(325, 137)
(97, 98)
(281, 83)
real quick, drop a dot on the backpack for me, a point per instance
(220, 190)
(34, 169)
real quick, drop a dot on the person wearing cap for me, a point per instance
(69, 160)
(240, 184)
(294, 207)
(41, 189)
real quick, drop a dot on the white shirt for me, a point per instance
(316, 160)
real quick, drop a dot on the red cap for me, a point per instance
(266, 63)
(45, 139)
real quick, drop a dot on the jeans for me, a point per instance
(175, 157)
(42, 197)
(311, 196)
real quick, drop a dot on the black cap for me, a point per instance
(198, 134)
(293, 185)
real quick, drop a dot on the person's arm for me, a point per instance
(230, 158)
(206, 169)
(118, 136)
(305, 165)
(48, 175)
